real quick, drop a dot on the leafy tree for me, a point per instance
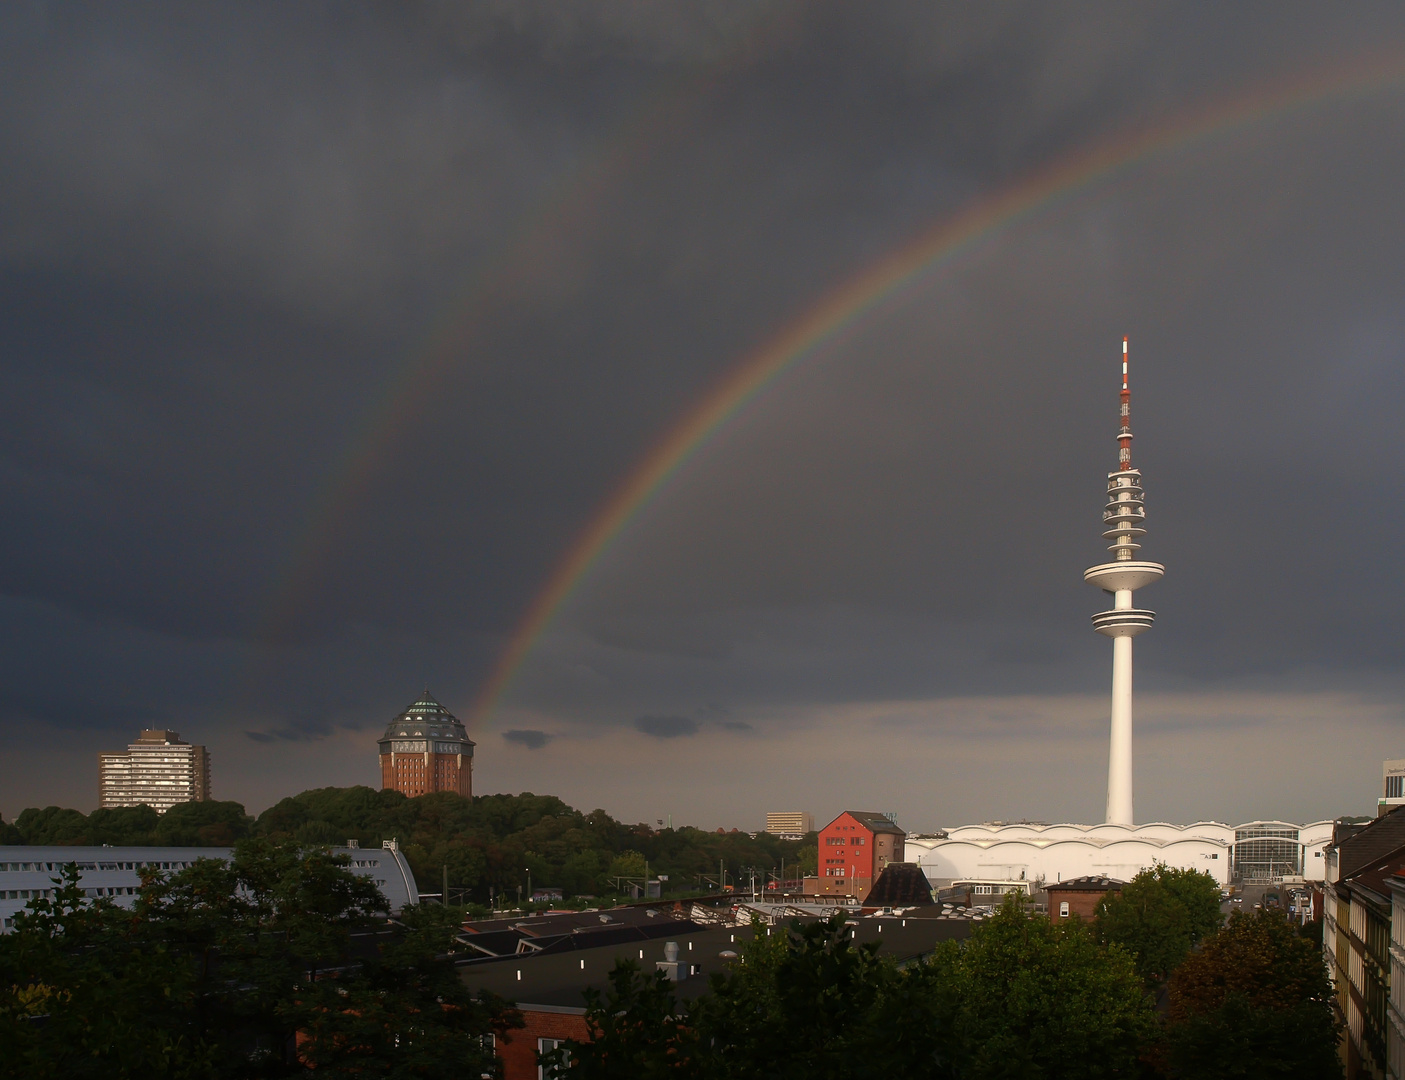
(1035, 999)
(403, 1013)
(52, 826)
(82, 995)
(202, 824)
(1253, 1001)
(805, 1002)
(627, 864)
(799, 1002)
(1159, 916)
(224, 968)
(122, 825)
(487, 842)
(637, 1030)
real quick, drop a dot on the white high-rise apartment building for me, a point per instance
(159, 769)
(789, 823)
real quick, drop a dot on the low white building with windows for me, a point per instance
(1257, 851)
(114, 873)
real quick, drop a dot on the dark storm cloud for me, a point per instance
(528, 737)
(311, 731)
(231, 238)
(666, 727)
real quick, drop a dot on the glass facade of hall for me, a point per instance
(1267, 853)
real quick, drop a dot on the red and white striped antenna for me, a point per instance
(1124, 435)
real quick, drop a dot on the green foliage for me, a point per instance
(403, 1013)
(196, 824)
(808, 1002)
(1254, 1001)
(489, 843)
(637, 1030)
(218, 966)
(628, 864)
(799, 1003)
(202, 824)
(82, 994)
(1159, 916)
(1031, 998)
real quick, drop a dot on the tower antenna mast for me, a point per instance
(1124, 518)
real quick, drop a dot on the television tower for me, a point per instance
(1124, 517)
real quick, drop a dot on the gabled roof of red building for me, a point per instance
(878, 823)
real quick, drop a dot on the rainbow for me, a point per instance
(565, 208)
(851, 301)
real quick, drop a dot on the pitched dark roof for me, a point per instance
(1092, 883)
(555, 979)
(901, 884)
(1359, 848)
(879, 823)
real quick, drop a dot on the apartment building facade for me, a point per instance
(1363, 941)
(159, 770)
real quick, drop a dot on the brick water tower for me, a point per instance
(426, 748)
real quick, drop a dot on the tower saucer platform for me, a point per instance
(1124, 517)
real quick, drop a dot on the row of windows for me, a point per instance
(835, 872)
(47, 894)
(55, 866)
(839, 841)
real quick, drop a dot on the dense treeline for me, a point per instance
(282, 963)
(490, 843)
(275, 963)
(1024, 997)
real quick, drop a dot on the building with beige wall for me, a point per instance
(159, 770)
(789, 824)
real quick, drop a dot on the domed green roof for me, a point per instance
(427, 719)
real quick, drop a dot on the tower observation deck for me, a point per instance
(1124, 517)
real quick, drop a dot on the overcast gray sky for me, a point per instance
(327, 328)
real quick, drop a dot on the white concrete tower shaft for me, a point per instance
(1124, 517)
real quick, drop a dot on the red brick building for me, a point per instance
(854, 849)
(426, 748)
(1078, 898)
(547, 1026)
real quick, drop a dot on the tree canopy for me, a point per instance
(1159, 917)
(259, 967)
(489, 842)
(1022, 998)
(1254, 1000)
(1036, 998)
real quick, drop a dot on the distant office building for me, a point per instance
(854, 849)
(789, 824)
(1392, 785)
(426, 748)
(160, 769)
